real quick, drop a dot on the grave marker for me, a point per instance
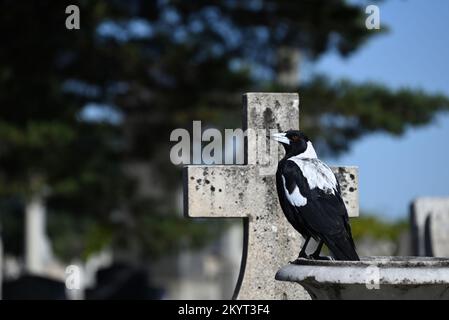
(430, 226)
(245, 191)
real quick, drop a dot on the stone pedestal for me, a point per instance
(384, 278)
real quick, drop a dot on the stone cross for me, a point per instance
(240, 191)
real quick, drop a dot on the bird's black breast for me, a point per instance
(291, 212)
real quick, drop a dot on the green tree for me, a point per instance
(78, 106)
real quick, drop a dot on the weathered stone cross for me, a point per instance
(231, 191)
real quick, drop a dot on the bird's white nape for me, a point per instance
(309, 153)
(317, 173)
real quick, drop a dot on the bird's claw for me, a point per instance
(311, 257)
(302, 256)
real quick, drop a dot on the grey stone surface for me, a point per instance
(439, 233)
(430, 226)
(249, 192)
(372, 278)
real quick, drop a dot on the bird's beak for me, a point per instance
(280, 137)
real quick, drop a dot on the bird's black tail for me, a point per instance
(342, 247)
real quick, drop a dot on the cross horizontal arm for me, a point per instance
(218, 191)
(239, 191)
(348, 177)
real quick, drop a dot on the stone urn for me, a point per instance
(384, 278)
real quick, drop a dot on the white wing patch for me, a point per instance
(317, 173)
(295, 198)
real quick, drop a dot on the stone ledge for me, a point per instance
(371, 278)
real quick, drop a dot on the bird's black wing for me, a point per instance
(325, 214)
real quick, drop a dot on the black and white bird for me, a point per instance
(310, 198)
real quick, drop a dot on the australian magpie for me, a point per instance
(310, 197)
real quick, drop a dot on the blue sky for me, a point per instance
(414, 54)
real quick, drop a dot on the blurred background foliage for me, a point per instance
(370, 225)
(79, 107)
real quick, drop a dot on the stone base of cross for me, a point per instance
(241, 191)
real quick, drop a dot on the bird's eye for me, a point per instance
(295, 138)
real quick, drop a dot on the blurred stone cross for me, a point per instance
(249, 192)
